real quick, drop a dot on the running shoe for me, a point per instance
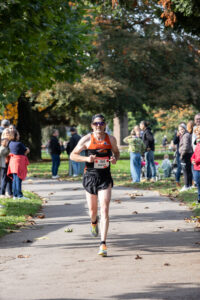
(103, 250)
(94, 229)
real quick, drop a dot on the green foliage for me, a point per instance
(139, 66)
(188, 15)
(40, 42)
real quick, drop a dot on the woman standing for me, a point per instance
(17, 164)
(185, 150)
(136, 149)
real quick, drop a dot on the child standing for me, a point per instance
(17, 164)
(166, 166)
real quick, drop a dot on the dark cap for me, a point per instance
(72, 129)
(98, 116)
(5, 123)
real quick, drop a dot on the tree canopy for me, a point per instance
(41, 42)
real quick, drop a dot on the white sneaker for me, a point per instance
(23, 198)
(55, 177)
(184, 189)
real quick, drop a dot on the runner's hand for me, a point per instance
(113, 160)
(91, 158)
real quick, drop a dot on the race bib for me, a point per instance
(101, 162)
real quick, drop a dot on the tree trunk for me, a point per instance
(120, 128)
(29, 127)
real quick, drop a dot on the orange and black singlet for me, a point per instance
(102, 150)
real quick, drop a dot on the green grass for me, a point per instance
(15, 212)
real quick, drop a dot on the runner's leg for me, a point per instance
(104, 199)
(92, 201)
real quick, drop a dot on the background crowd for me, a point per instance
(186, 144)
(141, 146)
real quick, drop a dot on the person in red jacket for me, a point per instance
(195, 159)
(17, 164)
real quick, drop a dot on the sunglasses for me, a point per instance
(98, 123)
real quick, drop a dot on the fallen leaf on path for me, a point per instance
(27, 241)
(171, 198)
(68, 230)
(67, 203)
(160, 227)
(23, 256)
(75, 189)
(176, 230)
(197, 243)
(134, 212)
(81, 260)
(138, 257)
(117, 201)
(40, 216)
(167, 264)
(42, 238)
(181, 204)
(146, 207)
(12, 230)
(28, 217)
(51, 193)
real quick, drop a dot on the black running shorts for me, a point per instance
(95, 182)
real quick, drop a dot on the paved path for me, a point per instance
(60, 265)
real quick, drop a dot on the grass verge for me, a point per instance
(15, 213)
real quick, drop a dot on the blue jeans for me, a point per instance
(75, 167)
(196, 175)
(135, 165)
(17, 186)
(6, 182)
(55, 163)
(178, 171)
(150, 165)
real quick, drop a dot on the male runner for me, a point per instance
(101, 150)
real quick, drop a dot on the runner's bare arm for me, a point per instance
(82, 145)
(115, 150)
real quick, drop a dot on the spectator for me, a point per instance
(4, 124)
(164, 142)
(148, 140)
(6, 181)
(70, 147)
(55, 151)
(195, 159)
(12, 127)
(197, 123)
(176, 141)
(166, 166)
(17, 164)
(136, 149)
(185, 149)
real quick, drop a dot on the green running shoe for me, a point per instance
(103, 250)
(95, 229)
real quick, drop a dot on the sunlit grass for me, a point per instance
(16, 211)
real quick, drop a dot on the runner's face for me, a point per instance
(98, 125)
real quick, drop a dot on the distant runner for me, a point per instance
(101, 150)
